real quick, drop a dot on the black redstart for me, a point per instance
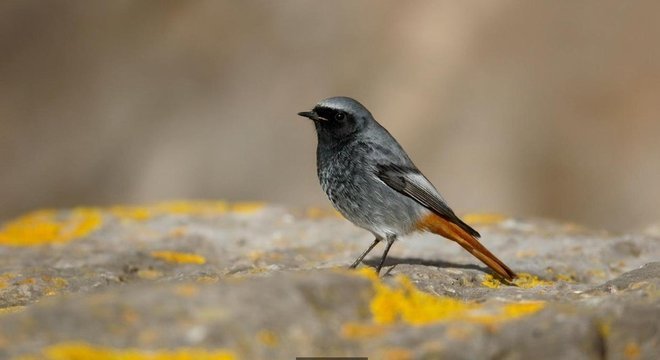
(372, 182)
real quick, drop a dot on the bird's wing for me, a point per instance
(411, 182)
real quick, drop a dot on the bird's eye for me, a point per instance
(340, 116)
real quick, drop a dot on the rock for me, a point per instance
(221, 281)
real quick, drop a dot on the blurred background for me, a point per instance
(525, 108)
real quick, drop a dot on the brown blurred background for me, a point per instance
(520, 107)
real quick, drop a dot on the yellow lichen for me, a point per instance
(597, 273)
(604, 328)
(44, 227)
(149, 274)
(524, 280)
(137, 213)
(54, 284)
(178, 257)
(247, 207)
(5, 278)
(483, 218)
(50, 292)
(81, 351)
(397, 354)
(405, 303)
(142, 213)
(516, 310)
(28, 281)
(268, 337)
(255, 255)
(208, 279)
(316, 213)
(191, 207)
(355, 330)
(58, 282)
(11, 309)
(410, 305)
(50, 227)
(565, 277)
(320, 213)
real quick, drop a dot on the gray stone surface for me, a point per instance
(271, 283)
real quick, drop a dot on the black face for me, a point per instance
(335, 123)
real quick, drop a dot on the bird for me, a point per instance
(372, 182)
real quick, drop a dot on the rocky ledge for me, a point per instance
(211, 280)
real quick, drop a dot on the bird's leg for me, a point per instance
(359, 259)
(390, 241)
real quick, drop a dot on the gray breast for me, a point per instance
(348, 178)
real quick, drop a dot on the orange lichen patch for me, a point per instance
(524, 280)
(178, 232)
(631, 351)
(354, 330)
(148, 336)
(573, 227)
(11, 309)
(208, 279)
(5, 278)
(526, 254)
(268, 338)
(79, 351)
(186, 290)
(28, 281)
(405, 303)
(320, 213)
(397, 354)
(483, 218)
(179, 257)
(130, 316)
(459, 333)
(316, 213)
(257, 256)
(148, 274)
(50, 227)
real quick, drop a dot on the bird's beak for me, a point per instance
(312, 115)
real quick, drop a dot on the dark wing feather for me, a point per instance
(411, 182)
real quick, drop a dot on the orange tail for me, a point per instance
(451, 231)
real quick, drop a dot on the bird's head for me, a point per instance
(338, 117)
